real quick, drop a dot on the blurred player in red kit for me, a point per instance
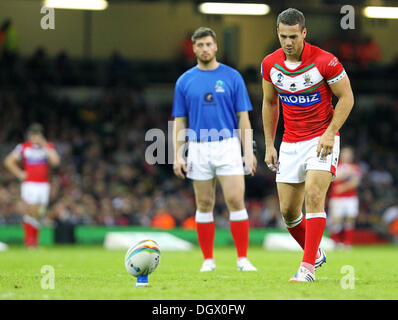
(303, 78)
(36, 156)
(343, 198)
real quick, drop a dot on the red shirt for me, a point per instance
(34, 161)
(351, 170)
(304, 92)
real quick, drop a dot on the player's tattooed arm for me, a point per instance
(270, 112)
(342, 90)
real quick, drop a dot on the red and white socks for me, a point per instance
(343, 235)
(31, 231)
(308, 231)
(348, 235)
(315, 226)
(239, 226)
(297, 229)
(205, 229)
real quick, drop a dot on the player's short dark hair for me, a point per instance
(203, 32)
(35, 128)
(291, 17)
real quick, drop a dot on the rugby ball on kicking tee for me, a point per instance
(142, 258)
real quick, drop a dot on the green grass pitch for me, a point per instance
(83, 272)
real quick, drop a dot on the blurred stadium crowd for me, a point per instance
(104, 178)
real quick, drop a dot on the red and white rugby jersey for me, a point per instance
(304, 92)
(34, 161)
(350, 169)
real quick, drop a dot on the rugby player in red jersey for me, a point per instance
(36, 156)
(304, 78)
(343, 199)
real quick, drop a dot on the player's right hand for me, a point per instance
(180, 169)
(271, 158)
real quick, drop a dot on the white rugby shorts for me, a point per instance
(206, 160)
(35, 193)
(341, 207)
(296, 158)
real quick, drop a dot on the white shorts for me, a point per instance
(296, 158)
(35, 193)
(344, 207)
(217, 158)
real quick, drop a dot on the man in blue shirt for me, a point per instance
(211, 106)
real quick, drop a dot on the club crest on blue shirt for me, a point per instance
(208, 97)
(220, 86)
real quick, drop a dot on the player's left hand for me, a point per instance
(325, 145)
(250, 164)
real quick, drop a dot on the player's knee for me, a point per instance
(289, 213)
(235, 203)
(31, 210)
(205, 204)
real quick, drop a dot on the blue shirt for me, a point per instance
(210, 99)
